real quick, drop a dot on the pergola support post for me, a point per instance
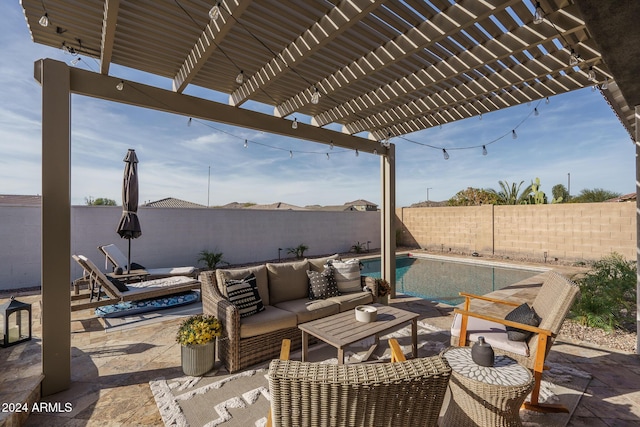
(55, 79)
(388, 231)
(637, 141)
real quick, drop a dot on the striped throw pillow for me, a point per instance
(244, 295)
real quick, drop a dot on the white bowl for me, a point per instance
(366, 313)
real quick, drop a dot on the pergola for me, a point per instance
(374, 69)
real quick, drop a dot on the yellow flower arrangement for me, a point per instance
(199, 329)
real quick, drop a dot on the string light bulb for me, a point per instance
(240, 77)
(294, 124)
(290, 154)
(357, 153)
(514, 135)
(120, 85)
(375, 151)
(331, 145)
(189, 122)
(480, 116)
(538, 14)
(591, 75)
(328, 157)
(315, 98)
(484, 150)
(605, 84)
(246, 143)
(573, 58)
(547, 100)
(214, 12)
(445, 154)
(44, 20)
(536, 112)
(75, 61)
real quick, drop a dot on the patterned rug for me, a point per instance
(242, 399)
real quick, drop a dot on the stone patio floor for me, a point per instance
(111, 370)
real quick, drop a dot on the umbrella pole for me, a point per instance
(129, 258)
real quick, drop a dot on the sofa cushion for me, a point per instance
(288, 281)
(347, 274)
(522, 314)
(307, 311)
(244, 295)
(317, 264)
(270, 320)
(259, 271)
(322, 285)
(493, 333)
(349, 301)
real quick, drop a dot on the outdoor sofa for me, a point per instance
(284, 290)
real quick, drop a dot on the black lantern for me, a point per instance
(16, 322)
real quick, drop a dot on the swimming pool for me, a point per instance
(440, 280)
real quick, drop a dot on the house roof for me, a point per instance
(22, 200)
(631, 197)
(171, 202)
(360, 202)
(385, 68)
(278, 206)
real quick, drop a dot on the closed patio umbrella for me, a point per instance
(129, 225)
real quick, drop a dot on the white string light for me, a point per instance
(44, 20)
(214, 12)
(294, 124)
(484, 150)
(240, 77)
(514, 135)
(538, 15)
(445, 154)
(120, 85)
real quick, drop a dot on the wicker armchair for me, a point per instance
(405, 393)
(552, 304)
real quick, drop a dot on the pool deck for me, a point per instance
(111, 370)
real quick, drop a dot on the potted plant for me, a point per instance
(384, 289)
(197, 338)
(212, 259)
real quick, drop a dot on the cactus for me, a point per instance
(537, 196)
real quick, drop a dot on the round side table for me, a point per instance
(482, 396)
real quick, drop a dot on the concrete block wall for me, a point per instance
(448, 228)
(572, 232)
(175, 237)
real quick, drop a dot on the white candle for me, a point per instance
(13, 334)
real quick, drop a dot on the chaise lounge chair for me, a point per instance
(552, 304)
(103, 291)
(119, 260)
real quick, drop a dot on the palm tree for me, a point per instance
(510, 194)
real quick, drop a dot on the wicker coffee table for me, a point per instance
(482, 396)
(342, 329)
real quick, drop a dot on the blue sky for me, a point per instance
(576, 134)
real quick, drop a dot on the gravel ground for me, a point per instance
(616, 340)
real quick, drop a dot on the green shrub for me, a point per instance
(608, 294)
(212, 259)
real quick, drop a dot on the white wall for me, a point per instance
(174, 237)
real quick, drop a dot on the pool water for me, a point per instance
(440, 281)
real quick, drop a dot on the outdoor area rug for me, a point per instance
(242, 399)
(142, 319)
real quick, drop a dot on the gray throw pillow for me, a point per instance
(118, 284)
(521, 314)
